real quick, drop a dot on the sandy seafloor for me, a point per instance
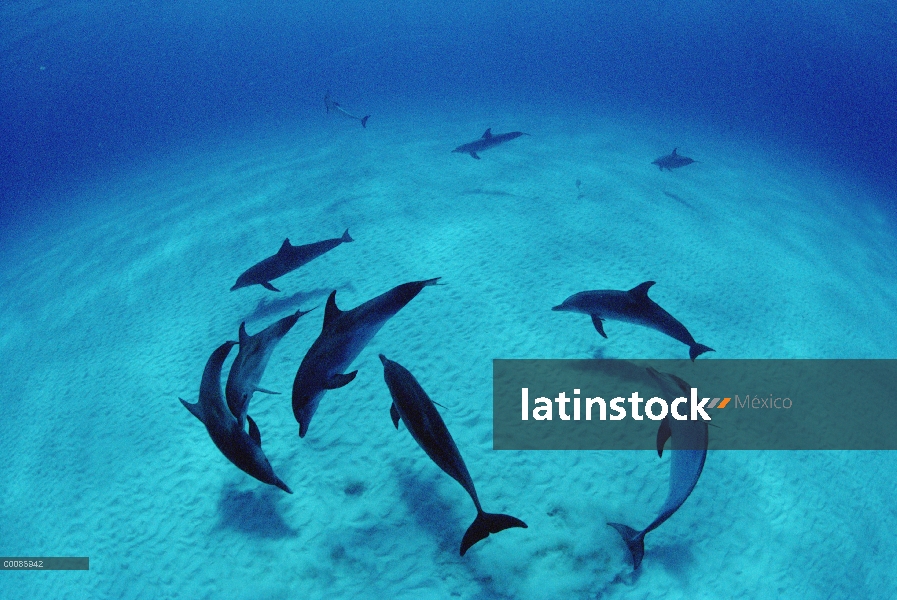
(109, 315)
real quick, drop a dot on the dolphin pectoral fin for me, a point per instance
(254, 432)
(267, 285)
(599, 327)
(243, 336)
(663, 434)
(635, 541)
(394, 413)
(364, 121)
(487, 523)
(340, 379)
(264, 391)
(194, 409)
(697, 350)
(475, 155)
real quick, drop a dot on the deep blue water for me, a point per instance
(87, 87)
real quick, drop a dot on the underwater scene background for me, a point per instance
(152, 152)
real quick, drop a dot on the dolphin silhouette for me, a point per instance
(689, 450)
(343, 337)
(411, 403)
(287, 259)
(672, 161)
(249, 365)
(632, 306)
(241, 448)
(335, 107)
(487, 141)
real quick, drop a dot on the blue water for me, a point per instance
(88, 87)
(150, 152)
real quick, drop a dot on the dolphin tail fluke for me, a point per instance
(699, 349)
(364, 120)
(635, 541)
(487, 523)
(346, 237)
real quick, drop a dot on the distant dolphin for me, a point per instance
(287, 259)
(689, 450)
(411, 403)
(343, 337)
(249, 366)
(487, 141)
(632, 306)
(335, 107)
(672, 161)
(242, 449)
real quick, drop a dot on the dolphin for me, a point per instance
(287, 259)
(343, 337)
(335, 107)
(411, 403)
(689, 450)
(487, 141)
(249, 366)
(241, 448)
(672, 161)
(632, 306)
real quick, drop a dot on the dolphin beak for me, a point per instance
(384, 360)
(559, 307)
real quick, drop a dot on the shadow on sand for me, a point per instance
(253, 512)
(300, 300)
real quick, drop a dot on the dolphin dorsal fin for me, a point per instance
(285, 246)
(488, 134)
(331, 312)
(254, 432)
(674, 151)
(195, 409)
(243, 335)
(683, 385)
(640, 292)
(663, 434)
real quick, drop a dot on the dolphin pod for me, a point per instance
(343, 336)
(249, 366)
(411, 404)
(487, 141)
(288, 258)
(689, 450)
(241, 448)
(632, 306)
